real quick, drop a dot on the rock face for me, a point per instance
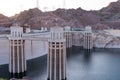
(107, 17)
(113, 7)
(47, 19)
(5, 21)
(25, 16)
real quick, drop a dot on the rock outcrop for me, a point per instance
(5, 21)
(107, 17)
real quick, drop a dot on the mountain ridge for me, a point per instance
(105, 18)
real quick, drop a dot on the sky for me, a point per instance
(11, 7)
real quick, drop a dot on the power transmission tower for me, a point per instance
(64, 4)
(37, 4)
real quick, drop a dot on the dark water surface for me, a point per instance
(100, 64)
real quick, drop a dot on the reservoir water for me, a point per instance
(100, 64)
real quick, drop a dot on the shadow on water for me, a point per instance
(79, 53)
(4, 73)
(72, 51)
(37, 67)
(87, 55)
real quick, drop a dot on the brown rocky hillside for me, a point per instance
(107, 17)
(5, 21)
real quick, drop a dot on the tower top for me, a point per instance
(67, 28)
(15, 25)
(16, 31)
(88, 29)
(57, 34)
(56, 29)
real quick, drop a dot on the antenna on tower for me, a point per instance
(37, 4)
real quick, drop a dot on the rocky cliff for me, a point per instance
(107, 17)
(5, 21)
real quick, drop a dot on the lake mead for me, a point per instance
(100, 64)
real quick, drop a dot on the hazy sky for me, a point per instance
(10, 7)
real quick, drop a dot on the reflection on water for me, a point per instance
(87, 56)
(99, 64)
(37, 68)
(4, 71)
